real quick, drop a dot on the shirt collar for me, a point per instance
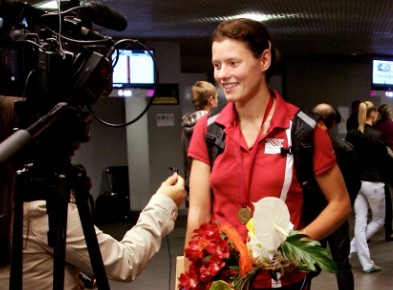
(282, 113)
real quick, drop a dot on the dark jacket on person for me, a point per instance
(352, 122)
(371, 152)
(386, 127)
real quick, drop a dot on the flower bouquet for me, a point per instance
(221, 260)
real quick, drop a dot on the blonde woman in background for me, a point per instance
(372, 154)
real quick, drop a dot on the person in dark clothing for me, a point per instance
(204, 96)
(388, 214)
(352, 121)
(339, 240)
(373, 157)
(385, 125)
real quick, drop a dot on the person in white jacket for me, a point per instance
(123, 260)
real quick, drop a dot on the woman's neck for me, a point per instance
(254, 119)
(254, 108)
(370, 122)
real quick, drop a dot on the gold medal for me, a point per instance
(244, 214)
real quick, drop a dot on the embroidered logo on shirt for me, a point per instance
(273, 145)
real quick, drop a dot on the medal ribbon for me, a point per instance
(243, 188)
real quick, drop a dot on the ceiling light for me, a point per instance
(250, 15)
(253, 16)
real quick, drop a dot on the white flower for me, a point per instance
(258, 251)
(271, 222)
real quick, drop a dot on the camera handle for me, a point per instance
(30, 187)
(20, 139)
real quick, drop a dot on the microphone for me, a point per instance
(104, 16)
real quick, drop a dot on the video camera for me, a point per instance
(57, 56)
(59, 64)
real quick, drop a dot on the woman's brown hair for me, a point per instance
(253, 33)
(385, 111)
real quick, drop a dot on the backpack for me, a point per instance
(302, 131)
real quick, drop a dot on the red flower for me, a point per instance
(210, 253)
(190, 281)
(211, 268)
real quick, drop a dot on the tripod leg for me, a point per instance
(17, 238)
(81, 196)
(57, 207)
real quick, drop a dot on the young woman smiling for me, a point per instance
(257, 124)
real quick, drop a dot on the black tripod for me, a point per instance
(52, 177)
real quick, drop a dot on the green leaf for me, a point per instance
(220, 285)
(244, 282)
(307, 253)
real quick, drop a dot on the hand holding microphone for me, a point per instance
(174, 188)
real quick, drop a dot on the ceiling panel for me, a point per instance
(298, 27)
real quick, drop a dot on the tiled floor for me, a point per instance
(160, 273)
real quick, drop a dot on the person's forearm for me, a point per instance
(125, 261)
(338, 208)
(194, 221)
(334, 214)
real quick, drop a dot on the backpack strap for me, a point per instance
(215, 136)
(302, 133)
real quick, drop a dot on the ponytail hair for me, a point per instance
(364, 114)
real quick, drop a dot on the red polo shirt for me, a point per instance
(273, 174)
